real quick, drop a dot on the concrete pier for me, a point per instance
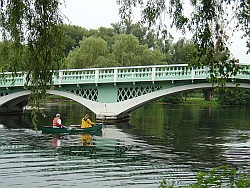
(111, 119)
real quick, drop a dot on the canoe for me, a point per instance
(72, 130)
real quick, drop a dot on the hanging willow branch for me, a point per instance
(210, 22)
(34, 30)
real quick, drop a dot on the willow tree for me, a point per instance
(211, 23)
(34, 29)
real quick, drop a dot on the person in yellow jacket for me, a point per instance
(86, 122)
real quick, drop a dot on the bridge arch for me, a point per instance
(113, 110)
(135, 103)
(112, 91)
(15, 98)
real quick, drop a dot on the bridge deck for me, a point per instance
(122, 74)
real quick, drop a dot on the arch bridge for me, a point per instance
(113, 92)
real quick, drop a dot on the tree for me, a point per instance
(144, 35)
(92, 51)
(128, 52)
(107, 35)
(73, 35)
(234, 97)
(5, 60)
(145, 56)
(209, 22)
(34, 29)
(207, 93)
(7, 54)
(181, 51)
(124, 49)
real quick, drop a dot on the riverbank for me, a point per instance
(193, 101)
(200, 101)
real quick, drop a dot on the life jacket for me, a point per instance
(54, 140)
(86, 123)
(55, 122)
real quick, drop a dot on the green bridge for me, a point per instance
(113, 92)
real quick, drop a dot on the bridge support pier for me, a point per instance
(111, 118)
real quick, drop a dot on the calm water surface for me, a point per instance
(160, 142)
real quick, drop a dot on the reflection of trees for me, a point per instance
(100, 148)
(69, 147)
(148, 118)
(15, 121)
(195, 132)
(71, 113)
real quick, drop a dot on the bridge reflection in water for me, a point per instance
(185, 141)
(93, 145)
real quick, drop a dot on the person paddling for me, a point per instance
(57, 122)
(86, 122)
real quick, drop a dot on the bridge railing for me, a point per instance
(123, 74)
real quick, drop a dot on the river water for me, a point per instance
(171, 142)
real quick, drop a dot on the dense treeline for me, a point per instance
(120, 45)
(131, 44)
(230, 96)
(234, 97)
(124, 45)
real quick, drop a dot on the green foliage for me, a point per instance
(182, 51)
(125, 51)
(34, 31)
(164, 184)
(220, 177)
(234, 97)
(243, 17)
(129, 44)
(151, 49)
(73, 35)
(174, 99)
(91, 52)
(209, 22)
(145, 56)
(144, 35)
(5, 53)
(128, 52)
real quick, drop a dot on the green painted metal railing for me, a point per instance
(122, 74)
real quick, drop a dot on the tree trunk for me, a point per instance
(208, 94)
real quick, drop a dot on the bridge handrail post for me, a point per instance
(153, 73)
(96, 76)
(192, 73)
(115, 75)
(60, 77)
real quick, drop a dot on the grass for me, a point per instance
(200, 101)
(193, 100)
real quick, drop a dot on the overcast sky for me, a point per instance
(92, 14)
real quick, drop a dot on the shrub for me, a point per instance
(219, 177)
